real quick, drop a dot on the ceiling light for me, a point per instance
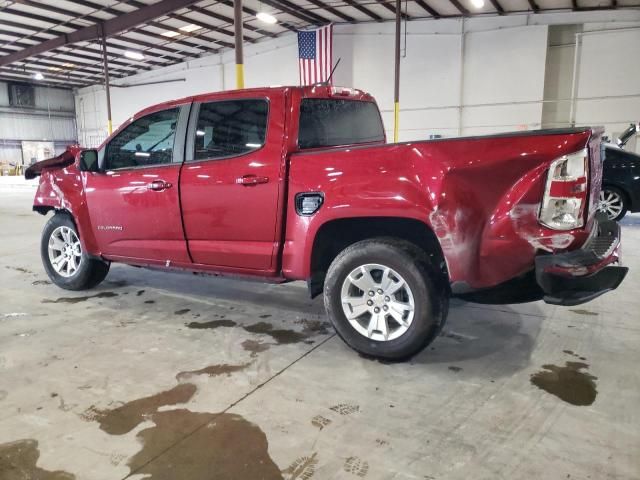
(266, 17)
(38, 76)
(170, 33)
(190, 28)
(133, 55)
(477, 3)
(64, 66)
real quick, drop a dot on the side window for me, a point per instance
(230, 128)
(146, 141)
(333, 122)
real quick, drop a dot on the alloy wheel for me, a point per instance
(65, 251)
(611, 203)
(377, 302)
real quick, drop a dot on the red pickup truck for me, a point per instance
(299, 184)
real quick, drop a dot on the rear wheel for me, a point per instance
(66, 264)
(385, 299)
(613, 203)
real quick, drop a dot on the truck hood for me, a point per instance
(66, 158)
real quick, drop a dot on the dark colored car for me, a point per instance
(621, 177)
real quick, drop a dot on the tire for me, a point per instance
(425, 290)
(613, 202)
(88, 271)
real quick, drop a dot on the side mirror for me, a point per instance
(89, 161)
(627, 134)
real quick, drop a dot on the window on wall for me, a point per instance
(145, 142)
(230, 128)
(329, 123)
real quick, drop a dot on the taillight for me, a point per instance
(566, 192)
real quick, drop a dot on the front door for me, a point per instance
(134, 201)
(231, 182)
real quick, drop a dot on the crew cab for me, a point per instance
(298, 183)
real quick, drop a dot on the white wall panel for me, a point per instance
(36, 127)
(501, 118)
(4, 94)
(503, 72)
(505, 65)
(609, 69)
(609, 63)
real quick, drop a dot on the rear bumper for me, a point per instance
(581, 275)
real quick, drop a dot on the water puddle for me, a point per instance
(212, 324)
(568, 383)
(573, 354)
(125, 418)
(314, 326)
(21, 270)
(203, 445)
(18, 461)
(254, 347)
(183, 444)
(281, 336)
(584, 312)
(74, 300)
(213, 371)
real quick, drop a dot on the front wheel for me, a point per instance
(385, 299)
(66, 264)
(613, 203)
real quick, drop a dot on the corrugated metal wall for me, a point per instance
(52, 119)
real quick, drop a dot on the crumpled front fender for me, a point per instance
(63, 189)
(65, 159)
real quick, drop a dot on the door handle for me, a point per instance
(159, 185)
(249, 180)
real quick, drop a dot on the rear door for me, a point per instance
(232, 181)
(134, 201)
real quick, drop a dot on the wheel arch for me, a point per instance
(87, 238)
(335, 235)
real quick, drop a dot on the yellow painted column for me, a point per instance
(239, 75)
(396, 121)
(396, 86)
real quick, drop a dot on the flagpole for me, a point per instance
(396, 92)
(237, 23)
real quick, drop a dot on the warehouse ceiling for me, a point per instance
(149, 34)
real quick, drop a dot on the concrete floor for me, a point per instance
(169, 376)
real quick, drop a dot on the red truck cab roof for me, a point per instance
(312, 91)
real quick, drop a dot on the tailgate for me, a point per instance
(595, 172)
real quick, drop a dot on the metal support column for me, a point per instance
(396, 91)
(237, 23)
(106, 81)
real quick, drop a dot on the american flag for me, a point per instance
(315, 54)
